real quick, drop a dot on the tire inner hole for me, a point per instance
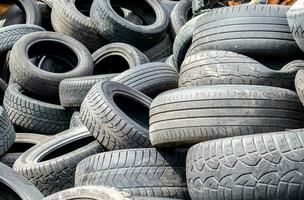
(57, 58)
(111, 64)
(84, 6)
(20, 147)
(135, 110)
(41, 98)
(67, 148)
(8, 193)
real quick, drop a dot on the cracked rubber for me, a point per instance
(15, 186)
(224, 68)
(52, 171)
(262, 166)
(120, 123)
(187, 116)
(34, 115)
(140, 172)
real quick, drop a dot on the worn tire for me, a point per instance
(293, 66)
(75, 120)
(150, 79)
(188, 116)
(161, 50)
(12, 16)
(224, 68)
(181, 13)
(299, 82)
(31, 10)
(170, 61)
(116, 29)
(252, 30)
(140, 172)
(69, 20)
(43, 82)
(117, 123)
(14, 186)
(50, 165)
(7, 132)
(255, 166)
(34, 115)
(23, 142)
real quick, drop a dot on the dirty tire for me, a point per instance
(12, 16)
(7, 132)
(188, 116)
(52, 171)
(14, 186)
(117, 123)
(75, 120)
(252, 30)
(72, 91)
(90, 192)
(10, 34)
(150, 79)
(31, 10)
(293, 66)
(34, 115)
(180, 14)
(43, 82)
(140, 172)
(299, 82)
(170, 62)
(115, 29)
(225, 68)
(161, 50)
(67, 19)
(249, 165)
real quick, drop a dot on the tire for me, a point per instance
(188, 116)
(12, 16)
(125, 123)
(170, 61)
(295, 16)
(89, 192)
(161, 50)
(69, 19)
(38, 81)
(293, 66)
(14, 186)
(168, 5)
(75, 120)
(31, 10)
(252, 30)
(150, 79)
(299, 82)
(183, 42)
(45, 11)
(3, 87)
(10, 34)
(139, 172)
(51, 165)
(48, 2)
(181, 13)
(224, 68)
(72, 91)
(34, 115)
(7, 132)
(244, 162)
(23, 142)
(116, 29)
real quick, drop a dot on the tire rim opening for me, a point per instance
(111, 64)
(20, 147)
(7, 192)
(84, 6)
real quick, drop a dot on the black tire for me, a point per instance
(90, 192)
(183, 42)
(14, 186)
(295, 16)
(161, 50)
(12, 16)
(168, 5)
(116, 58)
(139, 172)
(45, 11)
(181, 13)
(31, 10)
(48, 2)
(116, 29)
(50, 165)
(129, 111)
(252, 161)
(42, 82)
(71, 20)
(170, 62)
(34, 115)
(3, 87)
(150, 79)
(252, 30)
(299, 82)
(7, 132)
(188, 116)
(9, 35)
(72, 91)
(75, 120)
(293, 66)
(224, 68)
(22, 143)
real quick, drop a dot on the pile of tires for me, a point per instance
(151, 100)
